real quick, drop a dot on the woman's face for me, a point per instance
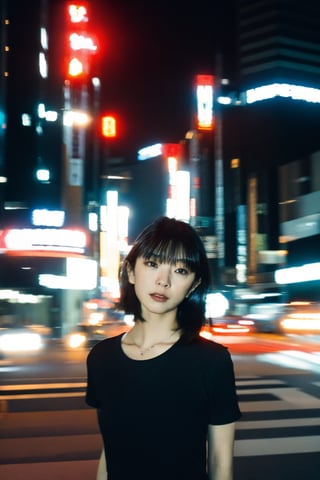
(161, 287)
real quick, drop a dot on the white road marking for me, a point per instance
(291, 359)
(280, 423)
(276, 446)
(28, 396)
(243, 383)
(42, 386)
(287, 399)
(46, 386)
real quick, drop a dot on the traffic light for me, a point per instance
(108, 126)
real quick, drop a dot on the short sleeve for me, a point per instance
(223, 401)
(91, 391)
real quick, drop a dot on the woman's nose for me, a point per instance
(163, 279)
(163, 283)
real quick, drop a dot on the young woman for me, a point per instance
(165, 396)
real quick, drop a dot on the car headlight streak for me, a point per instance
(20, 342)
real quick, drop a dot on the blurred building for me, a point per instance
(269, 145)
(270, 137)
(278, 40)
(31, 81)
(42, 156)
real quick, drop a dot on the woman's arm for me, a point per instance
(220, 451)
(102, 468)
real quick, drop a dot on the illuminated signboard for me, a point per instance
(304, 273)
(43, 239)
(78, 13)
(204, 94)
(80, 43)
(48, 218)
(284, 90)
(151, 151)
(81, 275)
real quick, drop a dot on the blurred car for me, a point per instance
(227, 325)
(266, 316)
(295, 317)
(219, 321)
(86, 335)
(301, 317)
(23, 339)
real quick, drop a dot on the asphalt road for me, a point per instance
(47, 431)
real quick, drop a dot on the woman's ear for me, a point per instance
(194, 286)
(131, 276)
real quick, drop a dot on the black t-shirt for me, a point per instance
(154, 414)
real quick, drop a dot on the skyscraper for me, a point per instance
(279, 41)
(29, 136)
(276, 124)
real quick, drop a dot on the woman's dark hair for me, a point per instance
(170, 240)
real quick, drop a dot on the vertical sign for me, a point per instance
(204, 94)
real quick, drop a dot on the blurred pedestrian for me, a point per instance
(165, 396)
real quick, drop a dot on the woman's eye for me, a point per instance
(182, 271)
(150, 263)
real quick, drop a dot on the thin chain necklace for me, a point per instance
(143, 351)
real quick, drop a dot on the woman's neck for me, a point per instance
(144, 341)
(149, 331)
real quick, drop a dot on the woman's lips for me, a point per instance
(157, 297)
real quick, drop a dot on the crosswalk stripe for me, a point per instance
(272, 406)
(279, 423)
(276, 446)
(309, 361)
(33, 396)
(312, 357)
(41, 386)
(244, 383)
(287, 398)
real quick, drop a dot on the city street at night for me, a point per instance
(48, 431)
(159, 172)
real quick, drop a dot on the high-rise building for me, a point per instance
(279, 41)
(30, 103)
(275, 124)
(44, 237)
(270, 125)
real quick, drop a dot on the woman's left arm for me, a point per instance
(220, 451)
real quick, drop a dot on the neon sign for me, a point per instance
(204, 92)
(40, 239)
(284, 90)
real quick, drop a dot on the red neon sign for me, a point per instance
(204, 93)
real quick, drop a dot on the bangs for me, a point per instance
(171, 252)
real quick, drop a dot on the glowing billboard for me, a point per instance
(43, 239)
(204, 96)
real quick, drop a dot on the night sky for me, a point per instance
(150, 53)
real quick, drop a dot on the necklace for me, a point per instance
(143, 351)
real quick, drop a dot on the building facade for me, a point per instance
(273, 124)
(269, 136)
(279, 41)
(42, 160)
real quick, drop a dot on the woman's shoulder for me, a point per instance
(209, 355)
(206, 348)
(209, 345)
(105, 347)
